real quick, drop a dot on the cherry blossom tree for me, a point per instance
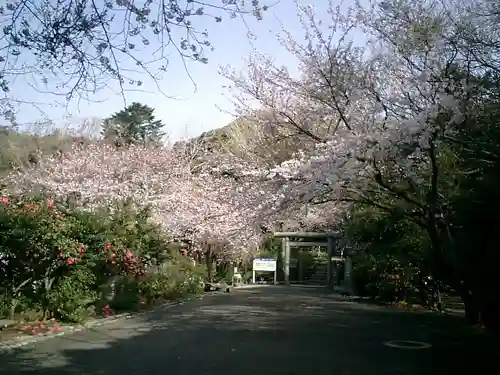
(381, 113)
(209, 206)
(376, 113)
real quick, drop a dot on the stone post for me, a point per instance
(329, 274)
(348, 275)
(286, 260)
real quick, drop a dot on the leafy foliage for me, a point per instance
(66, 263)
(178, 277)
(135, 124)
(392, 258)
(72, 296)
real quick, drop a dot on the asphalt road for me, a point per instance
(270, 330)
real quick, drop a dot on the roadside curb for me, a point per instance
(252, 286)
(22, 341)
(394, 308)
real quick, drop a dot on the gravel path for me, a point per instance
(273, 330)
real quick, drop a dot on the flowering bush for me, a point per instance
(107, 311)
(59, 260)
(34, 247)
(205, 204)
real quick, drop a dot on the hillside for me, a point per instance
(261, 139)
(18, 149)
(215, 139)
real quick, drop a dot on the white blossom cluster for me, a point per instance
(206, 204)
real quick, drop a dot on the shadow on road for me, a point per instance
(271, 330)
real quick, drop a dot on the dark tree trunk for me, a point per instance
(471, 303)
(210, 267)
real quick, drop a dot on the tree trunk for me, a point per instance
(471, 304)
(209, 262)
(13, 304)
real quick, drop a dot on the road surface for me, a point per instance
(268, 330)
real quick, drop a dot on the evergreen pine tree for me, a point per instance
(135, 124)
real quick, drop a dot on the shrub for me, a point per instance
(32, 239)
(386, 278)
(190, 275)
(72, 297)
(175, 277)
(67, 262)
(246, 277)
(127, 293)
(156, 287)
(120, 230)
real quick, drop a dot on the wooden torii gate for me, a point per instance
(327, 240)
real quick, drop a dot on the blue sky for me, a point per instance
(196, 112)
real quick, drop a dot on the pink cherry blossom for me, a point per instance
(361, 107)
(205, 204)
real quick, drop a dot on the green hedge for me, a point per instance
(387, 278)
(67, 264)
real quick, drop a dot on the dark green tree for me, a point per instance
(136, 124)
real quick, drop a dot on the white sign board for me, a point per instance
(264, 264)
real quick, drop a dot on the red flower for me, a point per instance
(107, 246)
(70, 260)
(4, 200)
(82, 251)
(107, 311)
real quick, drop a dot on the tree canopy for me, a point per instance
(134, 124)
